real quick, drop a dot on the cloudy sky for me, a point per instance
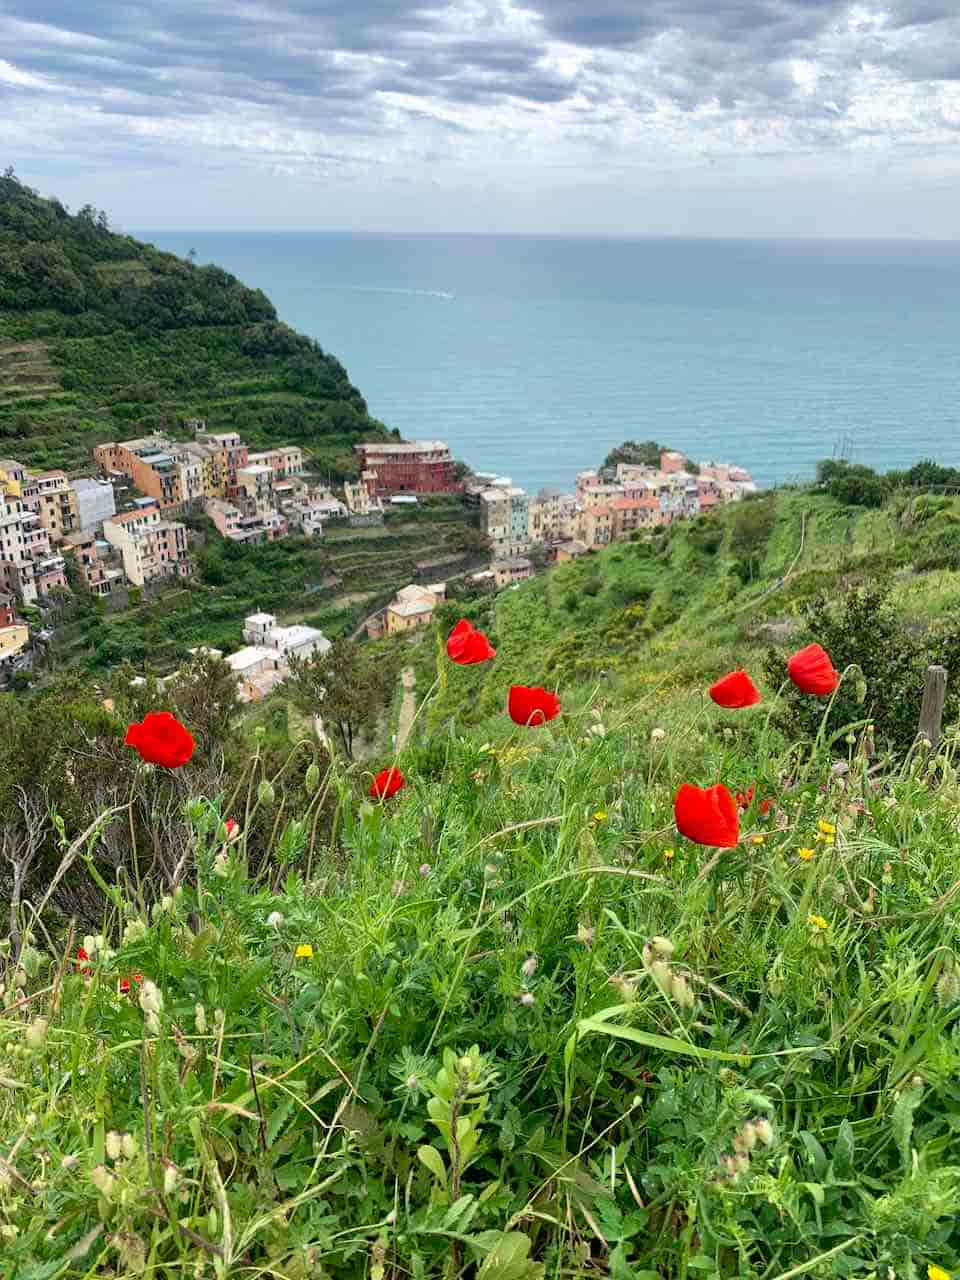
(727, 117)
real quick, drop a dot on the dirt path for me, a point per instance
(408, 707)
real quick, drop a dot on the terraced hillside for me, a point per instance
(104, 336)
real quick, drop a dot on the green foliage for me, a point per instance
(348, 687)
(103, 336)
(855, 485)
(644, 453)
(432, 1041)
(862, 628)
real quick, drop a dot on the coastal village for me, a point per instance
(118, 525)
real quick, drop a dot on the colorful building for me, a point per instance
(420, 466)
(150, 547)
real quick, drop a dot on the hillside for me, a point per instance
(103, 336)
(663, 615)
(510, 1023)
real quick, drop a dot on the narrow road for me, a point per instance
(408, 707)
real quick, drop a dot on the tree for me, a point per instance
(752, 526)
(644, 453)
(204, 695)
(348, 687)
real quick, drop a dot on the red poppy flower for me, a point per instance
(811, 671)
(735, 690)
(707, 816)
(466, 645)
(81, 962)
(160, 739)
(531, 706)
(124, 984)
(765, 806)
(232, 829)
(386, 784)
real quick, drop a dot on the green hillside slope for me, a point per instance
(104, 336)
(677, 609)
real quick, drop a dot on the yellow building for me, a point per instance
(13, 640)
(413, 607)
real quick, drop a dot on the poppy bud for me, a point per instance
(265, 793)
(275, 920)
(171, 1177)
(113, 1144)
(221, 866)
(128, 1145)
(680, 990)
(586, 934)
(659, 971)
(312, 779)
(948, 988)
(200, 1018)
(662, 947)
(425, 869)
(528, 1000)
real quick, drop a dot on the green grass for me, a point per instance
(487, 947)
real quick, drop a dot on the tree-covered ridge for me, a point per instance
(87, 279)
(102, 335)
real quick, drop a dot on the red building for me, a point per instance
(422, 466)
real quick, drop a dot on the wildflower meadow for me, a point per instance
(601, 988)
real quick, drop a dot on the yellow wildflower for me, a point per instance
(806, 854)
(817, 922)
(937, 1273)
(304, 951)
(758, 839)
(826, 828)
(668, 855)
(600, 816)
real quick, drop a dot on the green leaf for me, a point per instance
(818, 1157)
(600, 1023)
(432, 1158)
(843, 1150)
(508, 1260)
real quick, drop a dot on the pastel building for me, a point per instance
(413, 607)
(419, 466)
(96, 562)
(507, 572)
(149, 546)
(264, 661)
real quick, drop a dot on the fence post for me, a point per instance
(931, 709)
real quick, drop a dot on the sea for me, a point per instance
(533, 356)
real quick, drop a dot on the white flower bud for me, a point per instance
(69, 1162)
(528, 1000)
(221, 865)
(171, 1176)
(275, 920)
(200, 1018)
(150, 998)
(36, 1033)
(134, 931)
(764, 1131)
(114, 1144)
(104, 1181)
(128, 1145)
(529, 966)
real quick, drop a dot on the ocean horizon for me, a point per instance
(534, 355)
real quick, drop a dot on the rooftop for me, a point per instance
(411, 446)
(249, 656)
(519, 562)
(407, 608)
